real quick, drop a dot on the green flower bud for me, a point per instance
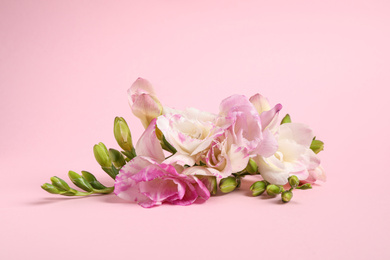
(122, 134)
(251, 167)
(286, 196)
(101, 155)
(91, 179)
(80, 181)
(51, 188)
(117, 158)
(59, 183)
(210, 182)
(293, 181)
(258, 188)
(228, 184)
(305, 186)
(317, 146)
(273, 190)
(286, 119)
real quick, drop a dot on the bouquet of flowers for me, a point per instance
(185, 155)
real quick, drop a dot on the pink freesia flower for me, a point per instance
(249, 128)
(293, 157)
(150, 181)
(144, 102)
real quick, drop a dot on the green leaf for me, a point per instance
(286, 119)
(317, 146)
(167, 146)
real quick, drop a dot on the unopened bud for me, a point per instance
(79, 181)
(50, 188)
(286, 196)
(59, 183)
(258, 188)
(228, 184)
(273, 190)
(117, 158)
(91, 179)
(251, 167)
(293, 181)
(101, 155)
(122, 134)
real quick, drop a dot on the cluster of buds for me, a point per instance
(111, 161)
(273, 190)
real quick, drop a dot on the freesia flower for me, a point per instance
(150, 181)
(248, 130)
(144, 102)
(293, 157)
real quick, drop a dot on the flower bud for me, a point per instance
(293, 181)
(80, 181)
(101, 155)
(258, 188)
(59, 183)
(91, 179)
(117, 158)
(273, 190)
(122, 134)
(305, 186)
(286, 119)
(50, 188)
(286, 196)
(251, 167)
(228, 184)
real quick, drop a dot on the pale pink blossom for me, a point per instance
(144, 102)
(247, 129)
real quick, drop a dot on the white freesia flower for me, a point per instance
(293, 157)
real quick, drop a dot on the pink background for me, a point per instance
(65, 67)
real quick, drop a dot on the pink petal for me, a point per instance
(238, 158)
(269, 144)
(269, 118)
(140, 86)
(146, 108)
(158, 190)
(148, 145)
(260, 103)
(201, 189)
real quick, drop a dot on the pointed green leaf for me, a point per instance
(317, 146)
(286, 119)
